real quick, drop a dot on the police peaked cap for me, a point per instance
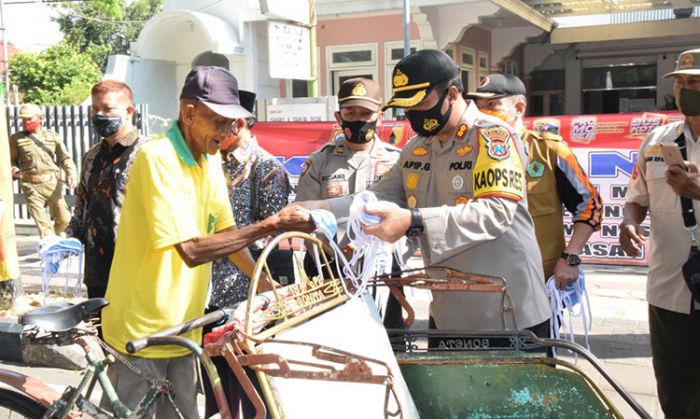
(496, 86)
(417, 74)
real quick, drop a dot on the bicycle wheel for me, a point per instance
(16, 405)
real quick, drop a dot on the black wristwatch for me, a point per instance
(571, 258)
(416, 227)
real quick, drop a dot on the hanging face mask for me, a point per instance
(32, 126)
(106, 125)
(361, 132)
(430, 121)
(688, 101)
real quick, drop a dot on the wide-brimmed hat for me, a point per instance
(360, 92)
(496, 86)
(417, 74)
(29, 110)
(217, 88)
(688, 63)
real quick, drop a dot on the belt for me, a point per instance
(38, 178)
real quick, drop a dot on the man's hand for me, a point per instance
(632, 238)
(71, 182)
(293, 217)
(684, 181)
(394, 222)
(564, 274)
(16, 173)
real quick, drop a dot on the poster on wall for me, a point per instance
(605, 145)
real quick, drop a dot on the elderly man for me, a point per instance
(105, 171)
(33, 152)
(460, 187)
(654, 188)
(176, 218)
(554, 177)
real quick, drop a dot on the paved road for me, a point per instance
(619, 336)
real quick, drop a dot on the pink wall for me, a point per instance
(361, 30)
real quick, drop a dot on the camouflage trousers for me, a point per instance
(47, 194)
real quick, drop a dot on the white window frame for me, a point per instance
(345, 69)
(472, 52)
(468, 67)
(330, 50)
(485, 56)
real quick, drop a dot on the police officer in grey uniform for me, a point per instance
(356, 158)
(352, 162)
(460, 184)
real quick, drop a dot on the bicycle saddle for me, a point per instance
(62, 317)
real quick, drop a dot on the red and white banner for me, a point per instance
(605, 145)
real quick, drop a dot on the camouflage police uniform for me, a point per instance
(35, 155)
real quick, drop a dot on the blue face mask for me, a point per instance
(106, 125)
(325, 221)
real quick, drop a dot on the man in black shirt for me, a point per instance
(105, 171)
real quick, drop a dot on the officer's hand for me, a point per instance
(16, 172)
(632, 238)
(71, 182)
(685, 181)
(395, 221)
(564, 274)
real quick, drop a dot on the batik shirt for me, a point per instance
(105, 171)
(258, 187)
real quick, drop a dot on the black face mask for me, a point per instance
(105, 125)
(361, 131)
(688, 101)
(430, 121)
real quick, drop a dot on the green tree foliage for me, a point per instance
(104, 27)
(59, 75)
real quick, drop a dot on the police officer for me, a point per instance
(554, 177)
(34, 152)
(460, 185)
(352, 162)
(356, 158)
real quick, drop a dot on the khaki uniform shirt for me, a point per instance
(34, 160)
(670, 242)
(335, 171)
(471, 193)
(554, 177)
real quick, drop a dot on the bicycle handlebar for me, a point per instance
(220, 315)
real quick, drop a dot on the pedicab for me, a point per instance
(320, 350)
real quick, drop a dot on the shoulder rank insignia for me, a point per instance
(340, 149)
(464, 150)
(535, 169)
(461, 131)
(496, 138)
(420, 151)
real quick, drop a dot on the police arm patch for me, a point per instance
(305, 167)
(503, 176)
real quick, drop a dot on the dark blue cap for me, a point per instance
(217, 88)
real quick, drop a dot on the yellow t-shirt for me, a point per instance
(169, 199)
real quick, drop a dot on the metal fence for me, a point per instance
(72, 123)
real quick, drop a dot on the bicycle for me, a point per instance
(58, 324)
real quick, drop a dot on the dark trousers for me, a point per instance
(238, 402)
(675, 349)
(96, 292)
